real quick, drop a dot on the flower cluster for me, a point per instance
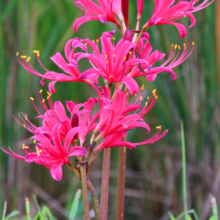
(118, 63)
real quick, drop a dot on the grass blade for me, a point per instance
(27, 205)
(75, 205)
(184, 169)
(214, 208)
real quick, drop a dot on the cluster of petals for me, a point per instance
(167, 12)
(52, 153)
(104, 11)
(56, 140)
(175, 58)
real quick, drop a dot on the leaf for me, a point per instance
(46, 212)
(12, 214)
(75, 205)
(171, 216)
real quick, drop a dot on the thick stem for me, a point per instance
(94, 199)
(105, 183)
(84, 190)
(121, 183)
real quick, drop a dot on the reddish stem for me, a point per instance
(121, 183)
(105, 183)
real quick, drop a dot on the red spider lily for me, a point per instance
(52, 153)
(116, 119)
(167, 12)
(70, 67)
(173, 60)
(112, 64)
(105, 11)
(56, 114)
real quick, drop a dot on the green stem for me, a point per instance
(84, 190)
(184, 169)
(94, 199)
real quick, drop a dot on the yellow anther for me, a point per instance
(49, 94)
(124, 57)
(86, 44)
(142, 87)
(106, 56)
(179, 47)
(146, 103)
(172, 45)
(175, 47)
(113, 38)
(38, 151)
(130, 52)
(107, 61)
(152, 142)
(24, 125)
(155, 96)
(34, 141)
(148, 98)
(193, 43)
(154, 91)
(23, 57)
(41, 91)
(43, 100)
(97, 40)
(141, 98)
(31, 98)
(114, 55)
(28, 59)
(184, 45)
(167, 130)
(24, 147)
(25, 116)
(17, 54)
(37, 52)
(93, 40)
(159, 127)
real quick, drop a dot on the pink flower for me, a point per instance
(51, 153)
(167, 12)
(105, 11)
(175, 58)
(116, 119)
(113, 64)
(69, 68)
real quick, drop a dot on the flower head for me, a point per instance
(167, 12)
(51, 153)
(104, 11)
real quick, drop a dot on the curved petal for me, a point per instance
(77, 151)
(60, 111)
(131, 84)
(51, 87)
(182, 30)
(82, 20)
(56, 173)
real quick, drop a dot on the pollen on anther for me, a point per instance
(193, 43)
(23, 57)
(124, 57)
(172, 45)
(159, 127)
(43, 100)
(184, 45)
(155, 96)
(146, 103)
(113, 38)
(28, 59)
(179, 47)
(17, 54)
(142, 87)
(148, 98)
(175, 47)
(97, 40)
(141, 98)
(31, 98)
(154, 91)
(41, 91)
(167, 130)
(130, 52)
(24, 147)
(34, 141)
(37, 52)
(114, 55)
(106, 56)
(107, 61)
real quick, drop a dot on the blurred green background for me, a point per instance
(153, 176)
